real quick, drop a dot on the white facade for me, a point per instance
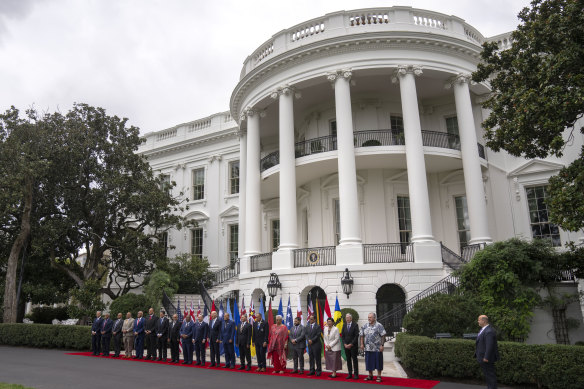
(344, 125)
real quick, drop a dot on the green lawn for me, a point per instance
(12, 386)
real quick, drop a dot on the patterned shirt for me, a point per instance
(372, 335)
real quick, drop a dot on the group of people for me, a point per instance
(275, 343)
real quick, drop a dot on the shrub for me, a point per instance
(45, 315)
(552, 366)
(129, 302)
(455, 313)
(46, 336)
(353, 313)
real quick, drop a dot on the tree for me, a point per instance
(186, 270)
(537, 96)
(130, 302)
(157, 283)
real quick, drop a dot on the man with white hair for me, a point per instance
(350, 338)
(106, 335)
(96, 333)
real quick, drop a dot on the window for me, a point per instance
(396, 122)
(165, 183)
(337, 220)
(275, 234)
(333, 132)
(462, 223)
(197, 242)
(199, 184)
(538, 216)
(404, 222)
(234, 177)
(233, 243)
(163, 241)
(452, 130)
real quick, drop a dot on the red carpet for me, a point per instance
(391, 381)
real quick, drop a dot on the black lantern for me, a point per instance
(273, 285)
(347, 283)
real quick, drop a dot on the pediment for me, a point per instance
(535, 166)
(230, 212)
(454, 177)
(332, 181)
(197, 215)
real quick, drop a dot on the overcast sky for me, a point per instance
(161, 63)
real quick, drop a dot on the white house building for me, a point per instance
(353, 141)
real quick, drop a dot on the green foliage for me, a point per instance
(187, 270)
(538, 93)
(456, 314)
(505, 278)
(551, 366)
(129, 302)
(46, 336)
(45, 315)
(158, 282)
(13, 386)
(353, 313)
(85, 301)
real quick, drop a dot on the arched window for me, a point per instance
(316, 293)
(389, 297)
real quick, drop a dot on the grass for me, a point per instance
(12, 386)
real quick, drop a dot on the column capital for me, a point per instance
(402, 70)
(343, 73)
(460, 78)
(249, 112)
(285, 90)
(241, 133)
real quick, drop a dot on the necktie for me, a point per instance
(349, 326)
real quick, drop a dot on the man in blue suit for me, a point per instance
(186, 333)
(139, 335)
(106, 335)
(487, 352)
(214, 338)
(200, 334)
(227, 335)
(96, 333)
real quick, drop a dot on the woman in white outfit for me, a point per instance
(332, 345)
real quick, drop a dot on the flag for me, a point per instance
(289, 323)
(280, 309)
(327, 312)
(228, 310)
(237, 321)
(243, 310)
(251, 315)
(213, 308)
(205, 314)
(261, 309)
(220, 317)
(180, 318)
(299, 312)
(251, 311)
(186, 311)
(192, 311)
(310, 312)
(338, 317)
(320, 323)
(270, 315)
(199, 308)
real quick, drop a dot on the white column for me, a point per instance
(425, 248)
(244, 268)
(473, 177)
(288, 215)
(349, 250)
(253, 220)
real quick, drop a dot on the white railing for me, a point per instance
(199, 125)
(310, 29)
(338, 24)
(504, 41)
(166, 134)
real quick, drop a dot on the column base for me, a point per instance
(244, 265)
(485, 240)
(349, 254)
(283, 259)
(427, 252)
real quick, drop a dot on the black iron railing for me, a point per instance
(315, 146)
(392, 320)
(388, 253)
(566, 276)
(379, 138)
(270, 160)
(469, 251)
(450, 258)
(226, 273)
(316, 256)
(207, 300)
(440, 139)
(261, 262)
(167, 304)
(482, 151)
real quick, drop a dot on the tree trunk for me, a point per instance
(10, 308)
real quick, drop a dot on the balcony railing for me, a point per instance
(226, 273)
(388, 253)
(261, 262)
(469, 251)
(367, 139)
(316, 256)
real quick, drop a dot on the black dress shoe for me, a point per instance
(185, 363)
(301, 372)
(212, 365)
(294, 372)
(318, 374)
(356, 376)
(350, 376)
(248, 368)
(241, 368)
(311, 373)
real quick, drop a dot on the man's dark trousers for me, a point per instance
(117, 343)
(314, 357)
(261, 354)
(229, 350)
(200, 352)
(215, 353)
(490, 375)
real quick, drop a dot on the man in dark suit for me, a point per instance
(106, 335)
(487, 352)
(161, 336)
(186, 333)
(227, 337)
(150, 330)
(139, 335)
(313, 332)
(244, 342)
(260, 340)
(297, 337)
(350, 338)
(117, 335)
(174, 338)
(96, 333)
(214, 339)
(200, 334)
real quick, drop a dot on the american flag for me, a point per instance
(180, 318)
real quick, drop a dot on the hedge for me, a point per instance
(550, 366)
(46, 336)
(46, 315)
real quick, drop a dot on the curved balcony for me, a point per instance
(367, 139)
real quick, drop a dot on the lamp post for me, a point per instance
(347, 282)
(273, 285)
